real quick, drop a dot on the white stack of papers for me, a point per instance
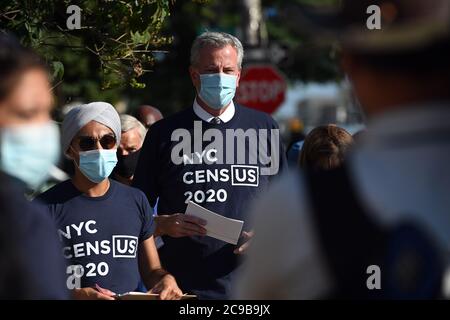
(217, 226)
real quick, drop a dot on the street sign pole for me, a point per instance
(261, 86)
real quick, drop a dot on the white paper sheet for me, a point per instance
(217, 226)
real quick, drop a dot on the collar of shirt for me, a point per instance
(399, 168)
(206, 116)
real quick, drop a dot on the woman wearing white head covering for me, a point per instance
(94, 156)
(79, 116)
(106, 227)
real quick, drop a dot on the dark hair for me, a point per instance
(15, 60)
(325, 148)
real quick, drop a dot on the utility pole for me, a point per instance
(254, 32)
(262, 86)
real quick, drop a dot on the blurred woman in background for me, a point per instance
(325, 148)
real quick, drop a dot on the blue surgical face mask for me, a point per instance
(28, 152)
(97, 165)
(218, 89)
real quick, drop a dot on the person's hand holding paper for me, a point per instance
(217, 226)
(179, 225)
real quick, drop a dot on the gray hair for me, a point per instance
(216, 40)
(128, 123)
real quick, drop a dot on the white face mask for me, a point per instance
(27, 152)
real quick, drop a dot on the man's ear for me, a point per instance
(238, 77)
(195, 78)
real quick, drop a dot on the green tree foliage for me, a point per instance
(306, 60)
(120, 41)
(113, 48)
(170, 87)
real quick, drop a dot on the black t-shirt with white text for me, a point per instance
(101, 234)
(224, 182)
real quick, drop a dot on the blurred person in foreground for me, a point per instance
(378, 227)
(148, 115)
(325, 148)
(133, 135)
(106, 227)
(30, 265)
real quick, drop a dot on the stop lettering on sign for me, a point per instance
(261, 87)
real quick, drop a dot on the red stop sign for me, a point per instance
(261, 87)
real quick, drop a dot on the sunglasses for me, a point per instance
(87, 143)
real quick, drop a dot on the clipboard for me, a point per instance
(147, 296)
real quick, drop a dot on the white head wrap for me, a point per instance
(79, 116)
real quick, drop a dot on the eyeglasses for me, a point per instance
(87, 143)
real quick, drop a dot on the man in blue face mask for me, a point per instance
(30, 263)
(178, 164)
(215, 71)
(106, 228)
